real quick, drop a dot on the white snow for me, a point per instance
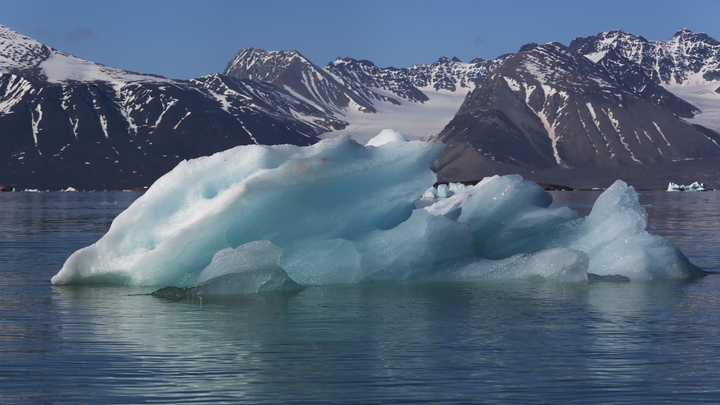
(249, 133)
(596, 56)
(512, 83)
(264, 217)
(19, 51)
(703, 95)
(550, 128)
(104, 125)
(544, 116)
(616, 126)
(167, 104)
(60, 67)
(181, 120)
(661, 133)
(303, 98)
(36, 118)
(415, 120)
(532, 66)
(16, 89)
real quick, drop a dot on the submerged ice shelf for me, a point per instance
(257, 218)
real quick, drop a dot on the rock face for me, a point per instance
(553, 113)
(70, 122)
(292, 71)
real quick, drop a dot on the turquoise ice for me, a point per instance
(268, 217)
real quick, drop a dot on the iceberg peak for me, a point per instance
(386, 136)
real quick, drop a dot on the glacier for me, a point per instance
(260, 218)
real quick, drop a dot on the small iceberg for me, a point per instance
(445, 190)
(693, 187)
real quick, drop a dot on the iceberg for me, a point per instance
(261, 218)
(444, 190)
(696, 186)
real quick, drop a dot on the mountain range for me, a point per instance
(603, 108)
(67, 122)
(608, 106)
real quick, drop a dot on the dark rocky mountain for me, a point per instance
(585, 115)
(67, 122)
(606, 107)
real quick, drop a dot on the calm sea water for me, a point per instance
(512, 342)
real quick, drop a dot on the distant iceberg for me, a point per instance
(693, 187)
(445, 190)
(257, 218)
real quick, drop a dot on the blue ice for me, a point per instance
(258, 218)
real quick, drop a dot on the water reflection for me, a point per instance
(497, 342)
(442, 342)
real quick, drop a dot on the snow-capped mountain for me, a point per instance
(549, 107)
(687, 67)
(610, 106)
(291, 71)
(417, 101)
(413, 83)
(67, 122)
(684, 58)
(19, 53)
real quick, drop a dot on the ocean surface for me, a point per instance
(433, 343)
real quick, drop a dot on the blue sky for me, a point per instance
(189, 38)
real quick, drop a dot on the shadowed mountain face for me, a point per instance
(549, 113)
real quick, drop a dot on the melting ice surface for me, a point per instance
(258, 218)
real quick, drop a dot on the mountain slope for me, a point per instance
(417, 101)
(686, 67)
(548, 109)
(291, 71)
(685, 57)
